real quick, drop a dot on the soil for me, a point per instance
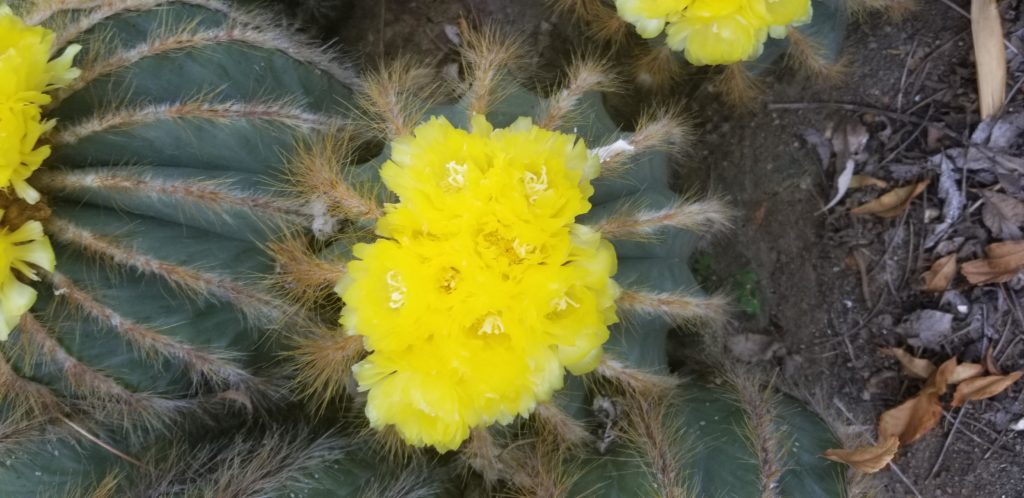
(828, 288)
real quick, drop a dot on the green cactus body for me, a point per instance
(163, 184)
(167, 186)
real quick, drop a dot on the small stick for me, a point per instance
(945, 447)
(904, 478)
(96, 440)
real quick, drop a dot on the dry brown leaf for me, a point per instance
(991, 365)
(867, 459)
(941, 274)
(861, 181)
(989, 55)
(1004, 215)
(983, 387)
(1004, 260)
(893, 202)
(911, 419)
(965, 371)
(916, 367)
(940, 379)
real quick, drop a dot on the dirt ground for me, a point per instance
(823, 291)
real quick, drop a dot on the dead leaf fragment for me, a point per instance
(861, 181)
(983, 387)
(965, 371)
(1004, 260)
(941, 378)
(916, 367)
(911, 419)
(991, 365)
(941, 274)
(989, 55)
(894, 202)
(1003, 214)
(867, 459)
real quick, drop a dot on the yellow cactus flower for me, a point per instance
(26, 74)
(482, 289)
(18, 249)
(712, 32)
(20, 129)
(26, 71)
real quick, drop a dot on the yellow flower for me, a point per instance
(719, 31)
(784, 13)
(24, 246)
(26, 71)
(20, 129)
(715, 31)
(650, 16)
(482, 289)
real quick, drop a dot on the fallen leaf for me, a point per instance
(965, 371)
(927, 328)
(867, 459)
(821, 145)
(991, 365)
(893, 202)
(916, 367)
(983, 387)
(1003, 214)
(941, 274)
(941, 378)
(989, 56)
(911, 419)
(954, 202)
(848, 142)
(1004, 260)
(861, 181)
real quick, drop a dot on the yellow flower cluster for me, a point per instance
(715, 31)
(482, 289)
(25, 245)
(26, 74)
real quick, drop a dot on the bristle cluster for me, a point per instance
(679, 308)
(323, 364)
(319, 176)
(708, 216)
(490, 56)
(587, 74)
(396, 94)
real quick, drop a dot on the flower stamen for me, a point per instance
(457, 174)
(492, 325)
(397, 288)
(536, 185)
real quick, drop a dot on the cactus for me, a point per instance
(159, 196)
(201, 216)
(624, 427)
(665, 39)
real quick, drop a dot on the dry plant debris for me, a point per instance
(918, 415)
(894, 202)
(941, 274)
(1003, 261)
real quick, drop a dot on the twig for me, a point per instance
(904, 478)
(968, 16)
(96, 440)
(945, 447)
(861, 108)
(903, 79)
